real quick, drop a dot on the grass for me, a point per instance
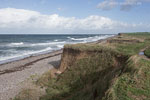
(89, 47)
(132, 86)
(28, 94)
(144, 35)
(43, 81)
(147, 52)
(131, 49)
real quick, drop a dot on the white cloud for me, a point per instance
(26, 21)
(107, 4)
(125, 5)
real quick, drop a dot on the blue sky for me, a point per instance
(110, 15)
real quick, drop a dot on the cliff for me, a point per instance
(90, 70)
(111, 69)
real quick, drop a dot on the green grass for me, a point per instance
(44, 79)
(130, 86)
(28, 94)
(89, 47)
(147, 52)
(131, 49)
(134, 48)
(140, 35)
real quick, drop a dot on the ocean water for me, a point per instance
(14, 47)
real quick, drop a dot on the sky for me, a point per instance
(74, 16)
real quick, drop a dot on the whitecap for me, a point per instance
(23, 54)
(55, 40)
(60, 46)
(48, 43)
(20, 43)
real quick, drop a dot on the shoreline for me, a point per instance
(6, 68)
(44, 55)
(27, 56)
(21, 57)
(13, 74)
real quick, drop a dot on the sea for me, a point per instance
(15, 47)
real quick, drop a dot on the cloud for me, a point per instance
(26, 21)
(129, 4)
(107, 5)
(125, 5)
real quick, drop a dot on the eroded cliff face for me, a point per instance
(70, 56)
(97, 70)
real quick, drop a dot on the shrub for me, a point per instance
(147, 52)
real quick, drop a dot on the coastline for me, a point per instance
(20, 56)
(14, 73)
(27, 56)
(22, 63)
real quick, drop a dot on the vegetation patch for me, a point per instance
(147, 52)
(132, 86)
(43, 80)
(28, 94)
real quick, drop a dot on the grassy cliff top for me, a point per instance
(127, 43)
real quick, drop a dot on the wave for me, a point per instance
(9, 51)
(41, 51)
(55, 40)
(78, 39)
(23, 54)
(21, 44)
(75, 38)
(89, 39)
(60, 46)
(48, 43)
(16, 44)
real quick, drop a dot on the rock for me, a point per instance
(58, 73)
